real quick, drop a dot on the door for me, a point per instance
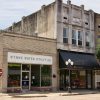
(64, 79)
(25, 80)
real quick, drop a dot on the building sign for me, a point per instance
(29, 59)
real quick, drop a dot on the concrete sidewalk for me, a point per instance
(47, 94)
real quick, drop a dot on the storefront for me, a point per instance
(29, 72)
(27, 63)
(82, 72)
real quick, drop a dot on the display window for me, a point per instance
(14, 75)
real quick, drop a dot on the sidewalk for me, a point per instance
(30, 94)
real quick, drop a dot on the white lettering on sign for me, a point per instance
(29, 59)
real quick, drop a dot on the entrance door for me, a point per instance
(25, 77)
(64, 79)
(25, 80)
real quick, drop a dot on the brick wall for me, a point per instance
(11, 42)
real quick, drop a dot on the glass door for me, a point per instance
(25, 77)
(25, 80)
(64, 79)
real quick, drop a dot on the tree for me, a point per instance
(98, 54)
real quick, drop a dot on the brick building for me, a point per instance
(97, 29)
(19, 54)
(72, 28)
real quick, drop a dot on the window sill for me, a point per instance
(88, 47)
(65, 44)
(79, 46)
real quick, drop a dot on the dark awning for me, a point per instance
(83, 60)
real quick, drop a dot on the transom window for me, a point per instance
(65, 35)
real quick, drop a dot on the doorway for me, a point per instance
(25, 81)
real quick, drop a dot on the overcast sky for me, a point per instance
(13, 10)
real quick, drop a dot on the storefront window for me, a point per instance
(64, 79)
(29, 76)
(35, 75)
(14, 74)
(46, 76)
(78, 79)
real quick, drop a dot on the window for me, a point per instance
(86, 23)
(65, 18)
(74, 37)
(65, 35)
(40, 76)
(14, 74)
(77, 37)
(98, 26)
(46, 76)
(35, 76)
(25, 67)
(87, 39)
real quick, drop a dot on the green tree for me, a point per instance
(98, 54)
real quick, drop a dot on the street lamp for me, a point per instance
(69, 63)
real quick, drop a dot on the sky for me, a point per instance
(13, 10)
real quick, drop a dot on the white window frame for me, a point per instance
(76, 38)
(67, 34)
(87, 38)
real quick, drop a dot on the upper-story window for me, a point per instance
(87, 39)
(77, 37)
(99, 27)
(74, 37)
(65, 35)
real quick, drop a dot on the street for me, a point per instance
(52, 97)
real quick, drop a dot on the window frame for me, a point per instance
(76, 37)
(87, 39)
(65, 35)
(80, 39)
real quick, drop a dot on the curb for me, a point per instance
(29, 96)
(71, 94)
(47, 95)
